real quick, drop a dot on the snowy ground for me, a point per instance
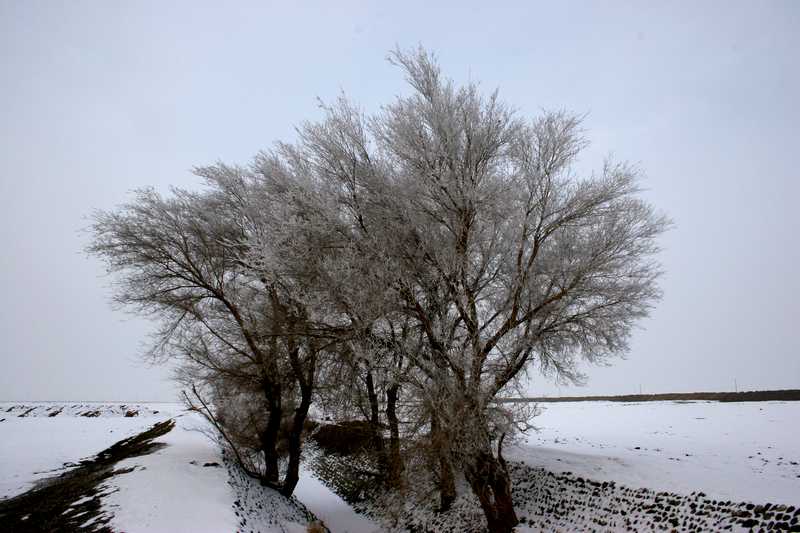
(170, 489)
(608, 466)
(733, 451)
(188, 486)
(33, 444)
(184, 485)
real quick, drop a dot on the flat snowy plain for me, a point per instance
(739, 451)
(748, 451)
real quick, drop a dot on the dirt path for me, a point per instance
(71, 501)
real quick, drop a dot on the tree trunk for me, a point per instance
(374, 420)
(296, 442)
(269, 437)
(447, 481)
(489, 480)
(396, 466)
(375, 423)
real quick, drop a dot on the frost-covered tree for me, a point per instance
(508, 258)
(485, 238)
(237, 327)
(441, 248)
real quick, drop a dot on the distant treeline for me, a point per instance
(745, 396)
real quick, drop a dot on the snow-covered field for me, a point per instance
(608, 466)
(742, 452)
(746, 451)
(33, 443)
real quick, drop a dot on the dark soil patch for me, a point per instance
(48, 506)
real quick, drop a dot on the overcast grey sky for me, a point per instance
(98, 98)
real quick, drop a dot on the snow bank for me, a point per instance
(188, 486)
(329, 507)
(262, 509)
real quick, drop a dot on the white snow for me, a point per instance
(334, 512)
(170, 489)
(738, 451)
(32, 447)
